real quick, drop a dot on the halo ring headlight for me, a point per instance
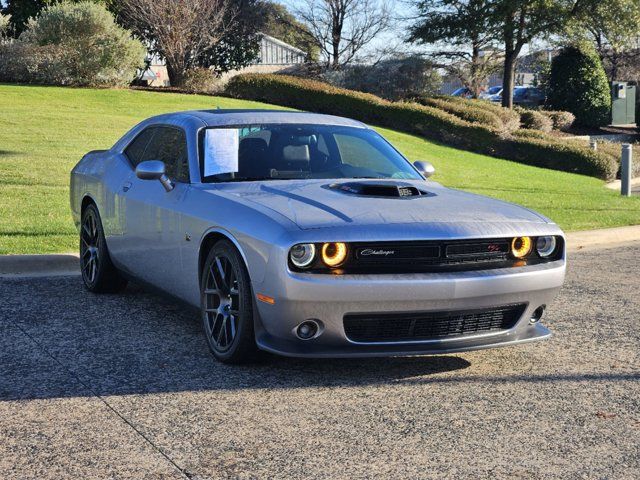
(521, 247)
(546, 246)
(302, 255)
(334, 253)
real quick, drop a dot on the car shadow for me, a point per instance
(57, 340)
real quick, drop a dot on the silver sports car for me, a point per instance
(310, 235)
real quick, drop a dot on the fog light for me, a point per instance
(307, 330)
(537, 314)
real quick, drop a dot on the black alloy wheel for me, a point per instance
(227, 305)
(98, 273)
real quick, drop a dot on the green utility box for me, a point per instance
(623, 103)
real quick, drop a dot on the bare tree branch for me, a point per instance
(341, 28)
(180, 31)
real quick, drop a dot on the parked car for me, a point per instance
(462, 92)
(493, 94)
(310, 235)
(523, 96)
(528, 97)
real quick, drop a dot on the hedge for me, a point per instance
(427, 121)
(509, 117)
(469, 113)
(535, 120)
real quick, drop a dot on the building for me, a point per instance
(273, 56)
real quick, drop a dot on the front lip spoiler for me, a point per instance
(534, 333)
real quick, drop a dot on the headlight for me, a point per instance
(334, 253)
(303, 254)
(545, 246)
(521, 247)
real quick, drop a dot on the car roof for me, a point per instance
(227, 117)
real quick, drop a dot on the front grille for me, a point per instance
(417, 326)
(381, 257)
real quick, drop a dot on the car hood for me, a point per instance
(312, 204)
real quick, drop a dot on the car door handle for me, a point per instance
(126, 187)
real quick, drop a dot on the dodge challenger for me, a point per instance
(310, 235)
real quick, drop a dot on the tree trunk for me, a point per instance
(176, 74)
(335, 60)
(474, 83)
(508, 78)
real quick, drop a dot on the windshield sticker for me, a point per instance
(221, 151)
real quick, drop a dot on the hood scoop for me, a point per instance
(381, 189)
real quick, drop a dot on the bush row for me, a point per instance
(470, 113)
(427, 121)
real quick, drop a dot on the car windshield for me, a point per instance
(286, 152)
(494, 90)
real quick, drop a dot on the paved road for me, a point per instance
(123, 386)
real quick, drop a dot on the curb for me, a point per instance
(604, 238)
(617, 184)
(65, 264)
(58, 264)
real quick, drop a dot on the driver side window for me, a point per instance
(168, 144)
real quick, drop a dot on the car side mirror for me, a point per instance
(154, 170)
(425, 168)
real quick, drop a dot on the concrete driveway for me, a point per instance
(123, 386)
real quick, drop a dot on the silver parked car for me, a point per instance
(310, 235)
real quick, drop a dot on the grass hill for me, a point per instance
(45, 130)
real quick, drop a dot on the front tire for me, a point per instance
(98, 273)
(226, 302)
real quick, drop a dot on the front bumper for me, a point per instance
(328, 298)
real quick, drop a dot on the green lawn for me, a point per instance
(45, 130)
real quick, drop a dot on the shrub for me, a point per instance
(510, 118)
(561, 120)
(470, 113)
(395, 79)
(535, 120)
(27, 63)
(201, 80)
(614, 150)
(578, 84)
(427, 121)
(90, 48)
(556, 155)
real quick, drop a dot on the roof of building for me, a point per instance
(281, 43)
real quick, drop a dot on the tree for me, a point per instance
(192, 33)
(467, 34)
(520, 22)
(578, 84)
(614, 28)
(341, 28)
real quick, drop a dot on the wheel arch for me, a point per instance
(86, 201)
(209, 239)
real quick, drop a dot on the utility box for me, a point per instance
(623, 103)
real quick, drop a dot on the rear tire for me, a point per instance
(98, 272)
(226, 304)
